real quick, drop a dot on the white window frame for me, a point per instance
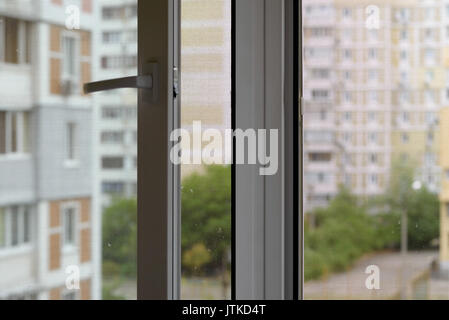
(75, 206)
(264, 259)
(73, 78)
(71, 162)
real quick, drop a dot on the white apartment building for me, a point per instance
(375, 77)
(47, 225)
(117, 109)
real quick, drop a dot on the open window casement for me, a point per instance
(265, 230)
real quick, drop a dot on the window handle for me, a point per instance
(148, 81)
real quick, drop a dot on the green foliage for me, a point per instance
(206, 217)
(196, 257)
(342, 233)
(120, 238)
(336, 236)
(421, 207)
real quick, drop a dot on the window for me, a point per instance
(115, 188)
(112, 137)
(320, 157)
(372, 137)
(112, 162)
(14, 37)
(69, 217)
(15, 226)
(373, 75)
(320, 94)
(373, 179)
(119, 12)
(14, 132)
(403, 34)
(405, 137)
(2, 228)
(69, 295)
(70, 63)
(347, 13)
(112, 36)
(117, 62)
(320, 73)
(71, 141)
(372, 53)
(111, 112)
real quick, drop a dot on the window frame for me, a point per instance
(75, 206)
(73, 78)
(266, 246)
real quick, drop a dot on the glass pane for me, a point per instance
(206, 179)
(68, 167)
(375, 139)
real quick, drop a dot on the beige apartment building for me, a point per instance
(376, 76)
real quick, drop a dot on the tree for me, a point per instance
(341, 234)
(421, 207)
(120, 238)
(206, 219)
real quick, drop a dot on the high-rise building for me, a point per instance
(116, 140)
(375, 77)
(48, 229)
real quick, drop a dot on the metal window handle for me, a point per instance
(149, 82)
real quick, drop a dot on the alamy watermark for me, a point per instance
(212, 146)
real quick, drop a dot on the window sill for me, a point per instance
(14, 157)
(71, 164)
(69, 249)
(10, 252)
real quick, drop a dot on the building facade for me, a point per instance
(375, 78)
(48, 230)
(116, 138)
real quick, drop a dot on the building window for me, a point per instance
(403, 34)
(372, 54)
(372, 137)
(373, 75)
(71, 141)
(116, 188)
(69, 214)
(112, 162)
(112, 36)
(403, 55)
(373, 158)
(405, 138)
(15, 226)
(320, 157)
(119, 12)
(117, 62)
(347, 54)
(347, 13)
(373, 179)
(347, 75)
(320, 73)
(112, 137)
(14, 132)
(14, 37)
(68, 295)
(70, 64)
(320, 94)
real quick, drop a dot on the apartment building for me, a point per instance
(381, 69)
(116, 140)
(444, 193)
(206, 70)
(48, 230)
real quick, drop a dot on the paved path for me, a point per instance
(351, 284)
